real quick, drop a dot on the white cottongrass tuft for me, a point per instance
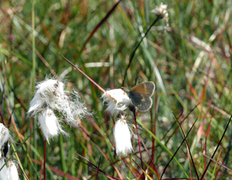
(4, 136)
(74, 109)
(117, 102)
(9, 171)
(122, 137)
(50, 93)
(4, 171)
(53, 104)
(49, 124)
(12, 169)
(161, 11)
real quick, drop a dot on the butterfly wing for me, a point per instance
(146, 88)
(141, 101)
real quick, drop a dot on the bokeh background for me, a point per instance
(189, 60)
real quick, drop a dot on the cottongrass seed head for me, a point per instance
(122, 137)
(49, 124)
(53, 104)
(49, 94)
(75, 109)
(117, 100)
(12, 169)
(9, 170)
(161, 11)
(4, 136)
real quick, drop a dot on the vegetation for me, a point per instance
(189, 61)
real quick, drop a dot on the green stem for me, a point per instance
(62, 155)
(163, 146)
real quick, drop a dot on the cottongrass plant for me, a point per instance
(4, 137)
(49, 124)
(8, 169)
(53, 105)
(117, 101)
(161, 11)
(122, 137)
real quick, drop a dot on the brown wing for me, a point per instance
(146, 88)
(141, 101)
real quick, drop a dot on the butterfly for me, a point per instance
(140, 95)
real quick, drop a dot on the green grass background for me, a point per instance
(186, 74)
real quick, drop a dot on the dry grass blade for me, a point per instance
(203, 175)
(96, 168)
(217, 162)
(178, 148)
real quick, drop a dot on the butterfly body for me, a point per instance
(140, 95)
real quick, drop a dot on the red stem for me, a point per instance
(99, 87)
(133, 110)
(45, 144)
